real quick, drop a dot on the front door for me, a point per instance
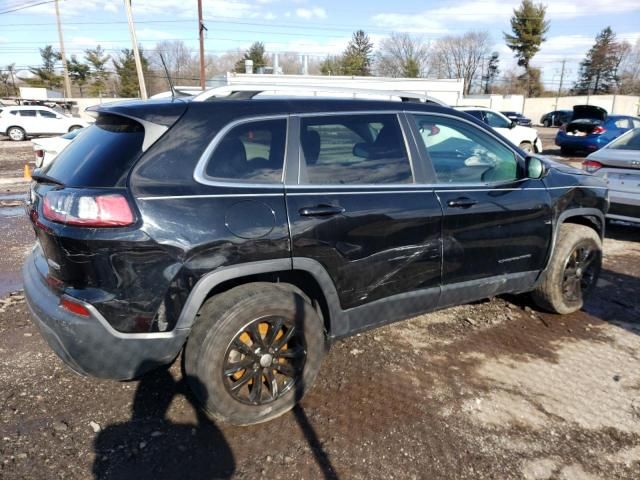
(355, 209)
(497, 223)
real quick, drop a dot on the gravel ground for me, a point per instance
(493, 390)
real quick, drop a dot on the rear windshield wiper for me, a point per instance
(43, 178)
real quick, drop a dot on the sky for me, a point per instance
(315, 27)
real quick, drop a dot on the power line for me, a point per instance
(23, 7)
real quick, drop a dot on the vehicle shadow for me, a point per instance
(626, 232)
(150, 446)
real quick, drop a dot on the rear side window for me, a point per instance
(102, 156)
(630, 141)
(621, 123)
(252, 152)
(27, 113)
(353, 149)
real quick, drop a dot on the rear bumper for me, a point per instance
(88, 345)
(587, 143)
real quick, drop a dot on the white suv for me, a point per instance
(20, 122)
(525, 137)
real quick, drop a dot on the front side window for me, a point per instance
(496, 121)
(252, 151)
(462, 153)
(353, 149)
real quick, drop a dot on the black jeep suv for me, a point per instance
(253, 232)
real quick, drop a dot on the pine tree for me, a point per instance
(599, 69)
(127, 75)
(79, 73)
(493, 71)
(46, 76)
(357, 58)
(97, 60)
(256, 54)
(332, 65)
(529, 27)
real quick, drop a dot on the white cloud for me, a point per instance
(111, 7)
(145, 34)
(309, 13)
(437, 20)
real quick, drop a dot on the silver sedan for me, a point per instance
(619, 164)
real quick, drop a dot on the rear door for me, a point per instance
(497, 224)
(50, 123)
(30, 122)
(355, 208)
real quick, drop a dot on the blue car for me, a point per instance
(591, 128)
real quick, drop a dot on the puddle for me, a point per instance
(13, 196)
(12, 211)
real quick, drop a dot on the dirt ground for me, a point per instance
(493, 390)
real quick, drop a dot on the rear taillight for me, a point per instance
(87, 210)
(591, 166)
(599, 130)
(39, 154)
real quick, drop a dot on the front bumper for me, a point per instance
(88, 345)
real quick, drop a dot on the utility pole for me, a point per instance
(560, 86)
(67, 83)
(201, 29)
(136, 53)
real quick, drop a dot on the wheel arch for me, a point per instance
(305, 274)
(589, 217)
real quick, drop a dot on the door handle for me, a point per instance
(462, 202)
(320, 211)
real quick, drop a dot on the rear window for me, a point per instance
(630, 141)
(102, 156)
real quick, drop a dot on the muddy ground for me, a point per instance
(494, 390)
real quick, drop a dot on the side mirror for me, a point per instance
(513, 124)
(534, 167)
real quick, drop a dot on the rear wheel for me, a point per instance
(527, 147)
(16, 134)
(75, 127)
(253, 353)
(566, 151)
(572, 271)
(547, 123)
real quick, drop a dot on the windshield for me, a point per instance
(630, 141)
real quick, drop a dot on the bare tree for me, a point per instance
(182, 63)
(629, 69)
(460, 56)
(402, 55)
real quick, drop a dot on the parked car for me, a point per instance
(556, 118)
(591, 128)
(618, 163)
(519, 118)
(21, 122)
(47, 149)
(252, 233)
(525, 137)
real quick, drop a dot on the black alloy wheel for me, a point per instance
(580, 272)
(264, 360)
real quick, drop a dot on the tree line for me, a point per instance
(609, 66)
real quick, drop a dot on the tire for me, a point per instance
(527, 147)
(226, 319)
(547, 123)
(75, 127)
(16, 134)
(562, 291)
(566, 151)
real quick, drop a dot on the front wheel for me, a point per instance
(572, 271)
(253, 352)
(547, 123)
(75, 127)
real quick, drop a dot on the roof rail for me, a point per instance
(247, 91)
